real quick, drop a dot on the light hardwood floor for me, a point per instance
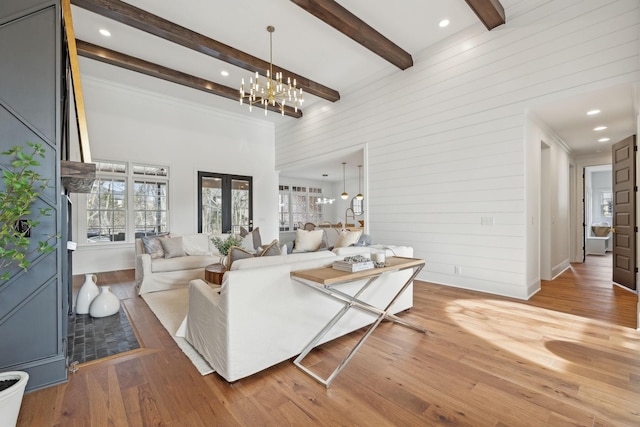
(569, 356)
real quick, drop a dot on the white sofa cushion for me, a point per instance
(244, 264)
(160, 265)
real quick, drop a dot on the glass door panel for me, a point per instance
(240, 205)
(211, 206)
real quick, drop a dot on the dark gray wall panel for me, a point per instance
(10, 9)
(28, 66)
(32, 314)
(26, 336)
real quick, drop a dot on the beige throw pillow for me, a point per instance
(308, 241)
(252, 237)
(347, 238)
(235, 253)
(273, 249)
(172, 247)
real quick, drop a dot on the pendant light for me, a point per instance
(344, 194)
(359, 196)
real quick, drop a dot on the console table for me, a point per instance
(327, 280)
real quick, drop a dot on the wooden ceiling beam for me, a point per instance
(137, 18)
(355, 28)
(490, 12)
(108, 56)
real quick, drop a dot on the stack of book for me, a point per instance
(353, 266)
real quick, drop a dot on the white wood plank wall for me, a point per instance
(446, 138)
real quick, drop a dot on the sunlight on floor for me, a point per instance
(548, 338)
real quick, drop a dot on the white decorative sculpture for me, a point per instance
(87, 293)
(105, 304)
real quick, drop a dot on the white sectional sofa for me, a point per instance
(260, 316)
(158, 274)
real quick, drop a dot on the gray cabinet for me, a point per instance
(33, 303)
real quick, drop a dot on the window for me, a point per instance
(127, 201)
(225, 203)
(298, 205)
(606, 202)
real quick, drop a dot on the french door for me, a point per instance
(225, 203)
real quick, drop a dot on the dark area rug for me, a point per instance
(94, 338)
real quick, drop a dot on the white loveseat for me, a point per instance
(260, 316)
(159, 274)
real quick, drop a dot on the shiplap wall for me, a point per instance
(447, 142)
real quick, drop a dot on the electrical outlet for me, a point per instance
(486, 220)
(457, 269)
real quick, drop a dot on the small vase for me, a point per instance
(87, 293)
(105, 304)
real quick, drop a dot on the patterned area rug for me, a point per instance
(94, 338)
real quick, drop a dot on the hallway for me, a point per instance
(586, 290)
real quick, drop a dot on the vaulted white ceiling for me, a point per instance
(311, 48)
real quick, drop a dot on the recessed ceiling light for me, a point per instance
(443, 23)
(604, 140)
(105, 32)
(224, 73)
(593, 112)
(599, 128)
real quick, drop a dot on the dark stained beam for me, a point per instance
(160, 27)
(355, 28)
(108, 56)
(490, 12)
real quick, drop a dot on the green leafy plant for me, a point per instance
(22, 186)
(223, 245)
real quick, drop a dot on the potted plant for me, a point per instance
(21, 187)
(12, 386)
(223, 245)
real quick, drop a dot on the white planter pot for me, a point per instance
(87, 293)
(11, 398)
(105, 304)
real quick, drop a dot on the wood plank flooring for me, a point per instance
(569, 356)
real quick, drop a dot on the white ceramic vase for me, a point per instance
(11, 398)
(105, 304)
(87, 293)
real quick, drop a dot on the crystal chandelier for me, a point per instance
(325, 200)
(271, 91)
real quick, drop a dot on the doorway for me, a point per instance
(597, 211)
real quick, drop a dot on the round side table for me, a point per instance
(213, 273)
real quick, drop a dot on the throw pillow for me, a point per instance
(308, 241)
(172, 247)
(347, 238)
(273, 249)
(152, 246)
(235, 253)
(252, 236)
(196, 244)
(364, 240)
(289, 246)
